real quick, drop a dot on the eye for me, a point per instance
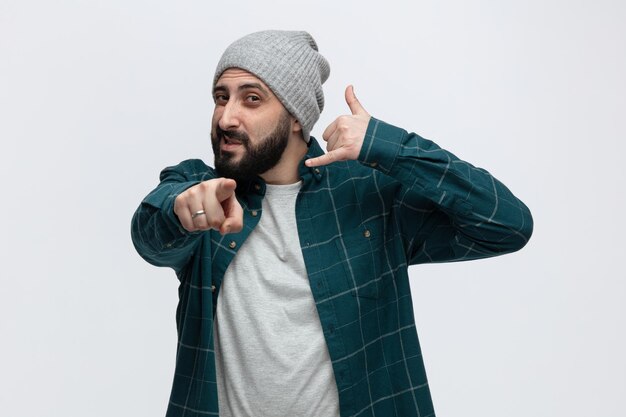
(220, 98)
(253, 98)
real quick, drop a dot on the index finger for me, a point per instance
(234, 216)
(225, 188)
(330, 129)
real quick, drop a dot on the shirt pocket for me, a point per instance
(361, 254)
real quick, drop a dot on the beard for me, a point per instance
(256, 159)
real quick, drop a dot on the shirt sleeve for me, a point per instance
(447, 209)
(156, 232)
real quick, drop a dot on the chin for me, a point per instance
(231, 159)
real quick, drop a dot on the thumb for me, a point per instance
(224, 188)
(353, 102)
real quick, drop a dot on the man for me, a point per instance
(294, 292)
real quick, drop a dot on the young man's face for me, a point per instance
(250, 127)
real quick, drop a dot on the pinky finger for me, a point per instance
(325, 159)
(185, 220)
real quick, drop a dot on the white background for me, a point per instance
(96, 97)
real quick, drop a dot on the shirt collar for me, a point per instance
(306, 172)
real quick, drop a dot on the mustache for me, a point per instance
(233, 134)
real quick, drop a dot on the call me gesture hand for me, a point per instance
(345, 135)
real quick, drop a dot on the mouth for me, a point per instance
(229, 144)
(230, 141)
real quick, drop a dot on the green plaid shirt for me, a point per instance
(361, 224)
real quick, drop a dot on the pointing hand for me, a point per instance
(210, 205)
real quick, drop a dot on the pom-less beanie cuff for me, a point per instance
(289, 63)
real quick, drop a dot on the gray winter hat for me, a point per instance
(291, 66)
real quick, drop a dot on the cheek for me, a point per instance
(215, 119)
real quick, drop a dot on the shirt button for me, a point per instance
(374, 164)
(232, 244)
(367, 233)
(212, 288)
(317, 171)
(257, 187)
(169, 245)
(254, 213)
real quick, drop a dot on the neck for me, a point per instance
(286, 170)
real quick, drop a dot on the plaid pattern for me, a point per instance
(361, 224)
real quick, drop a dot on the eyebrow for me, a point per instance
(242, 87)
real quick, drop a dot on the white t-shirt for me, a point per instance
(271, 356)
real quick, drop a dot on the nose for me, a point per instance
(229, 117)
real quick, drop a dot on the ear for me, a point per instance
(295, 125)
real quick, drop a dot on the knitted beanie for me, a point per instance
(289, 63)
